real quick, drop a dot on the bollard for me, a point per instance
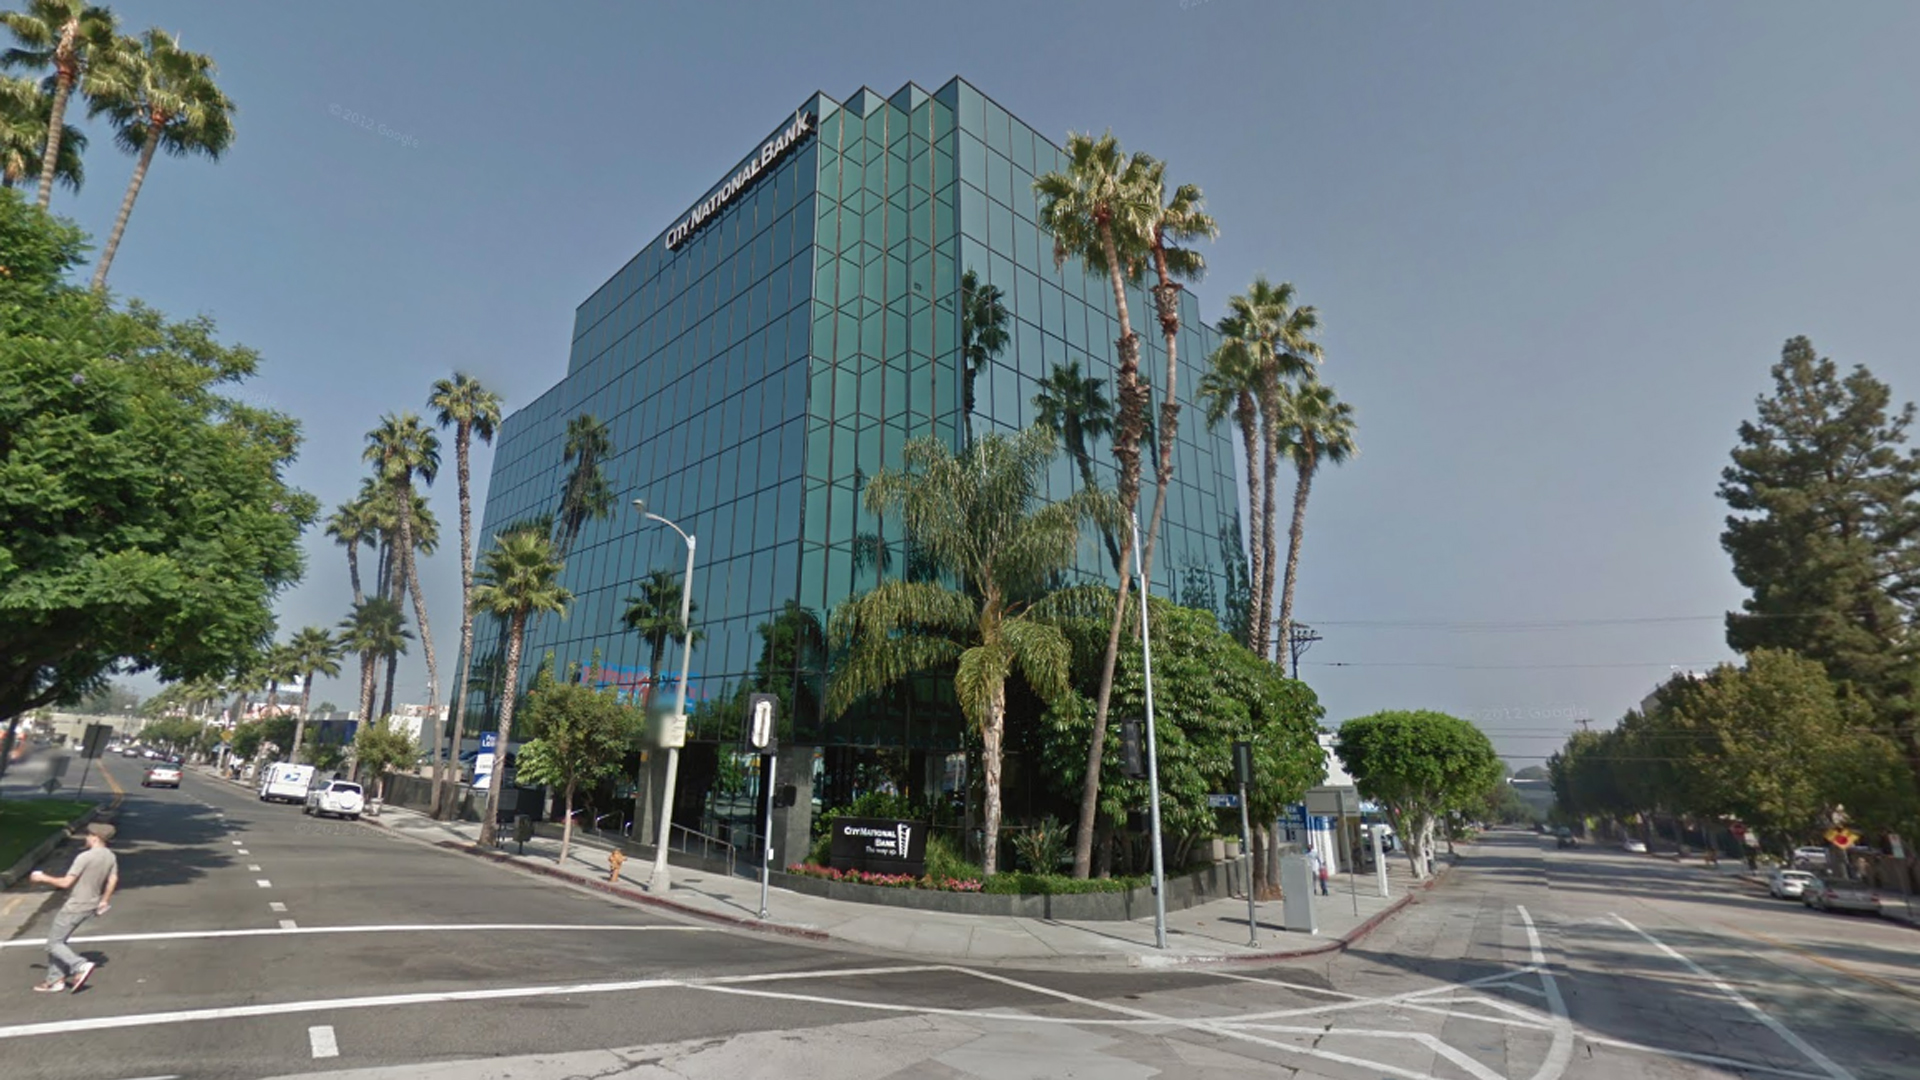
(614, 860)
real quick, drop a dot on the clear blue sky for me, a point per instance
(1555, 250)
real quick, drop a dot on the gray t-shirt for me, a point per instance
(90, 872)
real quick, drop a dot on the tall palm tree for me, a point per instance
(1232, 386)
(401, 448)
(979, 516)
(314, 652)
(472, 411)
(519, 578)
(983, 336)
(1179, 219)
(655, 616)
(66, 36)
(277, 666)
(25, 110)
(376, 629)
(586, 494)
(1073, 406)
(352, 527)
(1317, 430)
(1277, 332)
(157, 96)
(1100, 209)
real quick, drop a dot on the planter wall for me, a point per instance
(1216, 882)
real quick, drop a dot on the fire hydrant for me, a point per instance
(614, 860)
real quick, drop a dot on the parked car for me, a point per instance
(342, 798)
(1787, 884)
(161, 775)
(1840, 894)
(1563, 838)
(1809, 856)
(1635, 847)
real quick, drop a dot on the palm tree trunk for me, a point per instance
(992, 735)
(1256, 494)
(1269, 540)
(1294, 532)
(368, 681)
(64, 74)
(126, 206)
(566, 826)
(420, 611)
(1166, 300)
(457, 706)
(300, 722)
(386, 699)
(353, 570)
(1126, 449)
(488, 830)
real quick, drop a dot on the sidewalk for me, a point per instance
(1210, 933)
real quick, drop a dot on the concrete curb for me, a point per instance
(14, 874)
(1339, 944)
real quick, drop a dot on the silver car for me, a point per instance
(1840, 894)
(1790, 884)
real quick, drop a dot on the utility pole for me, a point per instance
(1300, 638)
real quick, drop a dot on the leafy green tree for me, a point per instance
(974, 517)
(314, 652)
(581, 735)
(65, 37)
(378, 747)
(1419, 765)
(1825, 502)
(25, 118)
(654, 614)
(792, 663)
(519, 578)
(1074, 408)
(1532, 772)
(1100, 209)
(144, 520)
(473, 411)
(157, 96)
(1316, 429)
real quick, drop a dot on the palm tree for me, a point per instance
(1101, 209)
(471, 410)
(975, 517)
(158, 96)
(352, 527)
(1074, 408)
(277, 666)
(24, 117)
(1317, 429)
(586, 494)
(401, 448)
(520, 577)
(983, 335)
(655, 616)
(314, 652)
(1178, 220)
(1277, 333)
(376, 630)
(1231, 386)
(67, 36)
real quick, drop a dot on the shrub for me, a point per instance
(1056, 884)
(1042, 845)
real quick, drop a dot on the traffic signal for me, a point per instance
(1131, 765)
(1243, 763)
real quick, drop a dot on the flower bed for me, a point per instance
(889, 881)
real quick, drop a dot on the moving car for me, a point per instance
(341, 798)
(1787, 884)
(1635, 847)
(161, 775)
(1809, 856)
(1563, 837)
(1840, 894)
(283, 782)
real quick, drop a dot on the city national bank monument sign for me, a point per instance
(773, 151)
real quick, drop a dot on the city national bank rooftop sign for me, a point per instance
(776, 147)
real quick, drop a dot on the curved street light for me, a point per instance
(662, 879)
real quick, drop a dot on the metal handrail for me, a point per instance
(707, 843)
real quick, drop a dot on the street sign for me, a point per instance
(673, 731)
(1842, 838)
(1223, 802)
(94, 741)
(760, 723)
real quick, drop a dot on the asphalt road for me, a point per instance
(250, 941)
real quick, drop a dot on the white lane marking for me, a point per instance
(253, 868)
(396, 928)
(288, 924)
(234, 1012)
(1392, 1000)
(323, 1042)
(237, 843)
(264, 883)
(1560, 1051)
(243, 851)
(1826, 1063)
(276, 906)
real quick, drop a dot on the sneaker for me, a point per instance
(79, 978)
(50, 987)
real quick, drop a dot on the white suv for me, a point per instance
(339, 797)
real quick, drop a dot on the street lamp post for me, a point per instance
(1153, 756)
(662, 879)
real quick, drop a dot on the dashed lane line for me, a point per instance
(253, 868)
(277, 906)
(288, 924)
(321, 1038)
(395, 928)
(264, 883)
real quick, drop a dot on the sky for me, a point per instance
(1555, 250)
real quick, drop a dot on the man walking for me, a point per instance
(1318, 868)
(90, 882)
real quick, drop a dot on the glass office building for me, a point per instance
(873, 271)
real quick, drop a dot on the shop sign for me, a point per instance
(879, 846)
(773, 151)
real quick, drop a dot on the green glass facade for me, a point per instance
(810, 317)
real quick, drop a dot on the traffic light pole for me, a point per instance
(1153, 757)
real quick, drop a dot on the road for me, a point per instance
(250, 941)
